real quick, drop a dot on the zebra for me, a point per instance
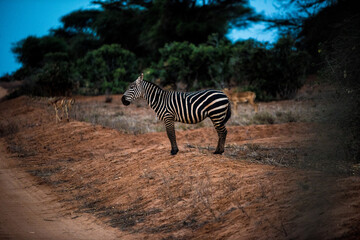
(185, 107)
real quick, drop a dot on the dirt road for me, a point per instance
(31, 211)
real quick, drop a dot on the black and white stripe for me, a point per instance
(185, 107)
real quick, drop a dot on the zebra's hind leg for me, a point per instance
(170, 130)
(222, 132)
(219, 120)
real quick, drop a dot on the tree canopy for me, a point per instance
(182, 43)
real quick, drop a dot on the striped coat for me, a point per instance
(188, 107)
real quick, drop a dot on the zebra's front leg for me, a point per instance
(222, 132)
(170, 130)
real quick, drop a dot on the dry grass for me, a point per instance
(117, 118)
(139, 118)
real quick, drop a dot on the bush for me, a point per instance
(109, 67)
(196, 67)
(289, 66)
(250, 67)
(211, 63)
(272, 72)
(175, 59)
(54, 79)
(275, 72)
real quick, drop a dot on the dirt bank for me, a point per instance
(131, 182)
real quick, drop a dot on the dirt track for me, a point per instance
(130, 182)
(31, 211)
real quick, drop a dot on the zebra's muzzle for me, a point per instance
(124, 101)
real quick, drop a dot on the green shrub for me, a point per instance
(271, 72)
(175, 60)
(107, 68)
(53, 79)
(202, 66)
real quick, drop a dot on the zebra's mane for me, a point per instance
(153, 84)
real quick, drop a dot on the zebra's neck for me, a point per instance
(153, 94)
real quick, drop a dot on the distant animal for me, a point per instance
(62, 103)
(185, 107)
(241, 97)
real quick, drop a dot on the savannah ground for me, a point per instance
(109, 172)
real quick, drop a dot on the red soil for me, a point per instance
(132, 183)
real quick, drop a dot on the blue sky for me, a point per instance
(22, 18)
(257, 31)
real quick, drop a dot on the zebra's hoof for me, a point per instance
(174, 152)
(218, 152)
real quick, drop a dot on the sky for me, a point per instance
(257, 31)
(22, 18)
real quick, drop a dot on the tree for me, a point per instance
(291, 19)
(31, 51)
(80, 21)
(55, 77)
(120, 26)
(78, 31)
(144, 26)
(289, 65)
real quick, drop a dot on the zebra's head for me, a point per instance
(135, 91)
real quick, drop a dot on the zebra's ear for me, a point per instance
(140, 78)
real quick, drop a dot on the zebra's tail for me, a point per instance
(228, 114)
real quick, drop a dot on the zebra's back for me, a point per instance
(193, 107)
